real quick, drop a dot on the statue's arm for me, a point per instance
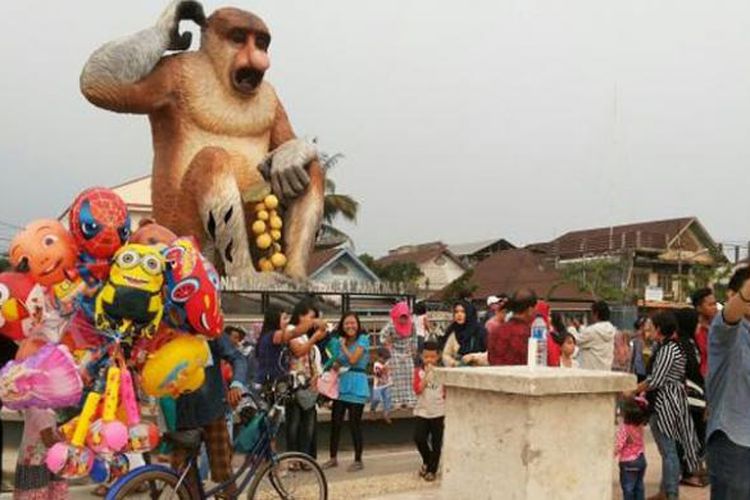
(128, 74)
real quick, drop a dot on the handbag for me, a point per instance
(306, 396)
(328, 384)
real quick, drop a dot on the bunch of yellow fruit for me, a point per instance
(267, 232)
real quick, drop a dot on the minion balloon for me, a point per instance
(130, 302)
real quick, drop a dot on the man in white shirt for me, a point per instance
(596, 342)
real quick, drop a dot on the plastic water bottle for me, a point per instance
(538, 343)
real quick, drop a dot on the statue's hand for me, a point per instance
(169, 22)
(285, 168)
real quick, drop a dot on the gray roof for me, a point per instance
(462, 249)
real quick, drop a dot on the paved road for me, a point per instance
(390, 473)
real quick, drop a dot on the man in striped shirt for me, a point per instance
(728, 394)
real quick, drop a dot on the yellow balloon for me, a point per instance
(176, 367)
(275, 234)
(265, 265)
(263, 215)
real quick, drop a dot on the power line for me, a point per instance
(8, 224)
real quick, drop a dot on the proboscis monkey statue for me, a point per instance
(218, 128)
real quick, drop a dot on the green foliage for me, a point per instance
(407, 273)
(336, 205)
(4, 263)
(460, 289)
(703, 276)
(600, 277)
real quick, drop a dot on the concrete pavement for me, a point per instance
(390, 474)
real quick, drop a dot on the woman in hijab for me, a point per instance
(465, 338)
(400, 338)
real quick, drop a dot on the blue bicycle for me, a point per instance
(264, 474)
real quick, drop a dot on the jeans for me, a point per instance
(631, 479)
(428, 435)
(300, 428)
(355, 425)
(729, 468)
(381, 394)
(670, 462)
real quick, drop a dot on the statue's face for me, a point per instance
(237, 43)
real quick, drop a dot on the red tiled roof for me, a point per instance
(319, 258)
(511, 270)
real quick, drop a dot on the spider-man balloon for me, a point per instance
(100, 222)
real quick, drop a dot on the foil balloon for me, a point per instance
(142, 436)
(100, 225)
(176, 368)
(193, 290)
(73, 460)
(151, 233)
(47, 379)
(26, 310)
(45, 250)
(15, 319)
(130, 302)
(109, 435)
(109, 469)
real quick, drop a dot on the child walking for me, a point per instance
(630, 450)
(430, 412)
(381, 387)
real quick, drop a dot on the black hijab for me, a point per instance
(471, 336)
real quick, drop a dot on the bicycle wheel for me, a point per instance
(290, 476)
(150, 484)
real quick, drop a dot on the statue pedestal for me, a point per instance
(516, 433)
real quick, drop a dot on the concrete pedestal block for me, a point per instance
(516, 433)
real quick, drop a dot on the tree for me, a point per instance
(461, 288)
(335, 205)
(406, 273)
(4, 263)
(602, 278)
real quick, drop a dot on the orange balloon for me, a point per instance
(44, 249)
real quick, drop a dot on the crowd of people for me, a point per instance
(691, 364)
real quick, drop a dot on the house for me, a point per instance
(513, 269)
(136, 194)
(337, 266)
(438, 264)
(473, 253)
(653, 261)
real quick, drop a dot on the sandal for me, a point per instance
(693, 481)
(330, 464)
(355, 467)
(429, 477)
(423, 471)
(100, 491)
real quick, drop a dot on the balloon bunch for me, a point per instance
(96, 440)
(94, 308)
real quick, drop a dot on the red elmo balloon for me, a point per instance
(99, 222)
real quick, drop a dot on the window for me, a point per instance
(639, 282)
(665, 283)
